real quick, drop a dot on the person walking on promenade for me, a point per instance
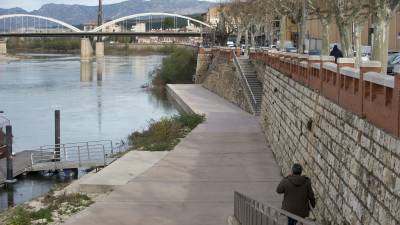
(298, 194)
(336, 53)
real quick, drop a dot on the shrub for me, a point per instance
(178, 67)
(190, 120)
(164, 134)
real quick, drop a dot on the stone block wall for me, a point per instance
(221, 78)
(354, 166)
(204, 59)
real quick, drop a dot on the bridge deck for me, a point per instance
(92, 34)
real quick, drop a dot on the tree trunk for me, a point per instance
(325, 37)
(302, 28)
(345, 40)
(381, 42)
(253, 39)
(301, 38)
(282, 37)
(246, 41)
(357, 37)
(239, 37)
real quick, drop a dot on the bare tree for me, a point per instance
(347, 12)
(226, 25)
(264, 17)
(382, 12)
(324, 13)
(294, 10)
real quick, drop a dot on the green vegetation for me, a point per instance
(168, 23)
(164, 135)
(49, 44)
(123, 48)
(178, 67)
(54, 207)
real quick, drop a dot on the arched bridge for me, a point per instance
(142, 24)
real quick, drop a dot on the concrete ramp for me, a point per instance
(121, 171)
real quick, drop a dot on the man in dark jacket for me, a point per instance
(336, 53)
(298, 194)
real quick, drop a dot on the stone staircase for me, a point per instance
(255, 85)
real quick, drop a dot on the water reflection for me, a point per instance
(100, 68)
(32, 186)
(86, 71)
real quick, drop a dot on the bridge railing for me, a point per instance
(79, 152)
(248, 211)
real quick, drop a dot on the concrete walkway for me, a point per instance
(194, 184)
(121, 171)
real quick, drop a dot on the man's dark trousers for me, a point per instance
(292, 221)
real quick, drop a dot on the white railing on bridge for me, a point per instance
(154, 22)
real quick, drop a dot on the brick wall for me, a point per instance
(354, 166)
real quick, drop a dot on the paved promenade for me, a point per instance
(194, 183)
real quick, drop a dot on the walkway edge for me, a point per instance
(182, 105)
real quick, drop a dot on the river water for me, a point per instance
(100, 100)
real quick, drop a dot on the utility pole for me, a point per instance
(100, 14)
(100, 17)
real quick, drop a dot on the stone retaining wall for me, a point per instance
(221, 78)
(354, 166)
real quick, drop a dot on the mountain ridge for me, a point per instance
(78, 14)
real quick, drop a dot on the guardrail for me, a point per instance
(248, 211)
(249, 92)
(78, 152)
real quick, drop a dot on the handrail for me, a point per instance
(77, 152)
(243, 77)
(251, 212)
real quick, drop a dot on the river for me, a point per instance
(98, 101)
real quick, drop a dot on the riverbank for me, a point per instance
(8, 58)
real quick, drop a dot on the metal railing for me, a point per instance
(249, 92)
(78, 152)
(248, 211)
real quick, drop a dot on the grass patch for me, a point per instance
(75, 200)
(64, 204)
(20, 216)
(42, 214)
(164, 134)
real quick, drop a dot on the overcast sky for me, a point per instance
(35, 4)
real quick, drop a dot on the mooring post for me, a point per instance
(10, 172)
(10, 197)
(57, 135)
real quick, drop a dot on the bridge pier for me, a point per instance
(99, 49)
(86, 49)
(3, 47)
